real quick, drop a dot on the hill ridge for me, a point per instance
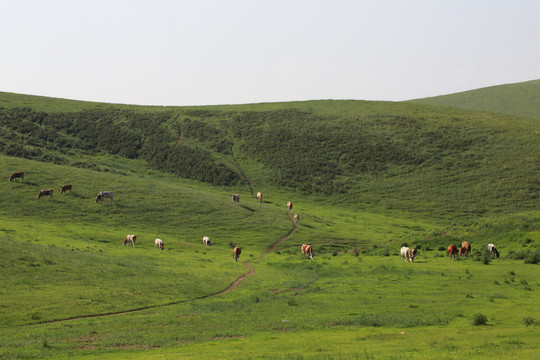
(521, 99)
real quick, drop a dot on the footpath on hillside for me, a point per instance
(237, 282)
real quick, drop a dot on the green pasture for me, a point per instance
(71, 290)
(365, 178)
(333, 307)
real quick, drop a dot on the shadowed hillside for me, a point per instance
(410, 157)
(522, 99)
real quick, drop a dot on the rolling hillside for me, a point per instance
(365, 177)
(436, 161)
(521, 99)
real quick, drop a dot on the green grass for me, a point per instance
(65, 275)
(71, 290)
(519, 99)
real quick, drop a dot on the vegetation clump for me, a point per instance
(479, 319)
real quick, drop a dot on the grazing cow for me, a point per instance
(235, 198)
(406, 254)
(65, 189)
(414, 251)
(296, 218)
(307, 250)
(492, 250)
(206, 240)
(104, 195)
(46, 192)
(452, 251)
(15, 175)
(237, 251)
(289, 205)
(259, 197)
(465, 249)
(130, 239)
(158, 243)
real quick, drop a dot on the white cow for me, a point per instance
(492, 250)
(159, 244)
(206, 240)
(104, 195)
(406, 254)
(130, 239)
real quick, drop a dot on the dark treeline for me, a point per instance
(302, 150)
(315, 154)
(149, 136)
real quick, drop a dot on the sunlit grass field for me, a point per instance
(71, 290)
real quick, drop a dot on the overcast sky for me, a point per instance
(203, 52)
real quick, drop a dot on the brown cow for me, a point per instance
(130, 239)
(65, 189)
(46, 192)
(15, 175)
(237, 251)
(296, 218)
(452, 251)
(289, 205)
(307, 250)
(259, 197)
(465, 249)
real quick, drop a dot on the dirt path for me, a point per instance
(239, 280)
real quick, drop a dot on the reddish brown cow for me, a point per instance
(46, 192)
(237, 251)
(65, 189)
(296, 218)
(452, 251)
(15, 175)
(465, 249)
(307, 250)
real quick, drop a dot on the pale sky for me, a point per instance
(205, 52)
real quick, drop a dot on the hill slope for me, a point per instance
(365, 178)
(437, 161)
(521, 99)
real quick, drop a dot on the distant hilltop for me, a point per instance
(521, 99)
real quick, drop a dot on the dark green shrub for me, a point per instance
(479, 319)
(533, 257)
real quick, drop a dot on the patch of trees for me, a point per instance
(314, 153)
(42, 136)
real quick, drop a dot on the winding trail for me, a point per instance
(228, 289)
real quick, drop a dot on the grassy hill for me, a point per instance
(439, 161)
(520, 99)
(365, 178)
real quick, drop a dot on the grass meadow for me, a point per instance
(71, 290)
(365, 177)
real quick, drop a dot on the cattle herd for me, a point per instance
(407, 254)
